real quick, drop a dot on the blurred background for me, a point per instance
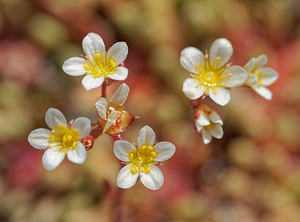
(251, 175)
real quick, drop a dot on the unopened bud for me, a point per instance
(88, 142)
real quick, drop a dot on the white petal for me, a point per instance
(220, 96)
(234, 76)
(267, 76)
(249, 65)
(111, 120)
(215, 118)
(118, 52)
(206, 137)
(203, 119)
(165, 150)
(120, 95)
(92, 43)
(77, 155)
(89, 82)
(264, 92)
(122, 149)
(146, 136)
(191, 89)
(125, 178)
(154, 179)
(74, 66)
(198, 126)
(260, 61)
(216, 131)
(39, 138)
(252, 80)
(101, 106)
(121, 74)
(82, 125)
(55, 118)
(52, 158)
(191, 57)
(220, 52)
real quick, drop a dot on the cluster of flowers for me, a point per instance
(212, 75)
(74, 138)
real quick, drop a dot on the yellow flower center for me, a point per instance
(64, 137)
(100, 66)
(141, 158)
(257, 73)
(209, 75)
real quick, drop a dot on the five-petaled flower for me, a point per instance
(63, 139)
(112, 116)
(141, 159)
(210, 74)
(98, 64)
(260, 76)
(209, 123)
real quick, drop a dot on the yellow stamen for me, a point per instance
(142, 158)
(133, 170)
(208, 74)
(52, 138)
(100, 65)
(64, 137)
(86, 66)
(97, 56)
(257, 73)
(147, 169)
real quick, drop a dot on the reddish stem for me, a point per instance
(104, 86)
(117, 206)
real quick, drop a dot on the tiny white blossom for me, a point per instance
(110, 111)
(209, 123)
(210, 74)
(63, 139)
(260, 76)
(141, 159)
(98, 64)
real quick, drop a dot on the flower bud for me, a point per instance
(208, 122)
(88, 142)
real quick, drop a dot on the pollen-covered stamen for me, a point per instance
(64, 137)
(208, 75)
(100, 66)
(142, 158)
(257, 73)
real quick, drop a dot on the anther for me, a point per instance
(74, 145)
(153, 154)
(147, 169)
(97, 56)
(133, 170)
(131, 156)
(86, 66)
(52, 138)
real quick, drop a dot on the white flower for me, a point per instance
(63, 139)
(141, 159)
(112, 113)
(209, 123)
(210, 75)
(98, 64)
(259, 76)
